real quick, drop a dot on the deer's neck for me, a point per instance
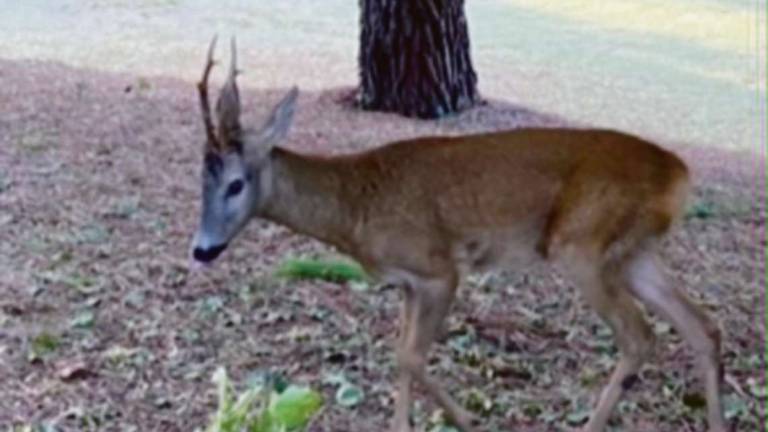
(306, 197)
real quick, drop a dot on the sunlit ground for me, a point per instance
(688, 71)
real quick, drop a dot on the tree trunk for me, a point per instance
(414, 57)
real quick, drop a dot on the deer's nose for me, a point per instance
(208, 254)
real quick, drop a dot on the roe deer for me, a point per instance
(421, 213)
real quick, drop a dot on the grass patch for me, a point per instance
(707, 209)
(41, 346)
(37, 141)
(701, 210)
(337, 271)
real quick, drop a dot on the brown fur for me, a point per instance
(562, 185)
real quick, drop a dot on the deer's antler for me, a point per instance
(228, 104)
(205, 106)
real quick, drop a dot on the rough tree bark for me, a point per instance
(414, 57)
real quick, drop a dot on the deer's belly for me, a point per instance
(510, 248)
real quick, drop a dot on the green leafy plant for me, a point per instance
(42, 345)
(332, 271)
(701, 210)
(262, 408)
(347, 393)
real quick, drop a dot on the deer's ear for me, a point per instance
(276, 127)
(261, 142)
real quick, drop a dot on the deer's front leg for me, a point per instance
(427, 304)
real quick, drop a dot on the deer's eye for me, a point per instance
(234, 188)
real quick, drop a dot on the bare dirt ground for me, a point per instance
(103, 328)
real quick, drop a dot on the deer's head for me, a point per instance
(236, 174)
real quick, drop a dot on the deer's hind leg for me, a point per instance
(602, 288)
(404, 399)
(649, 283)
